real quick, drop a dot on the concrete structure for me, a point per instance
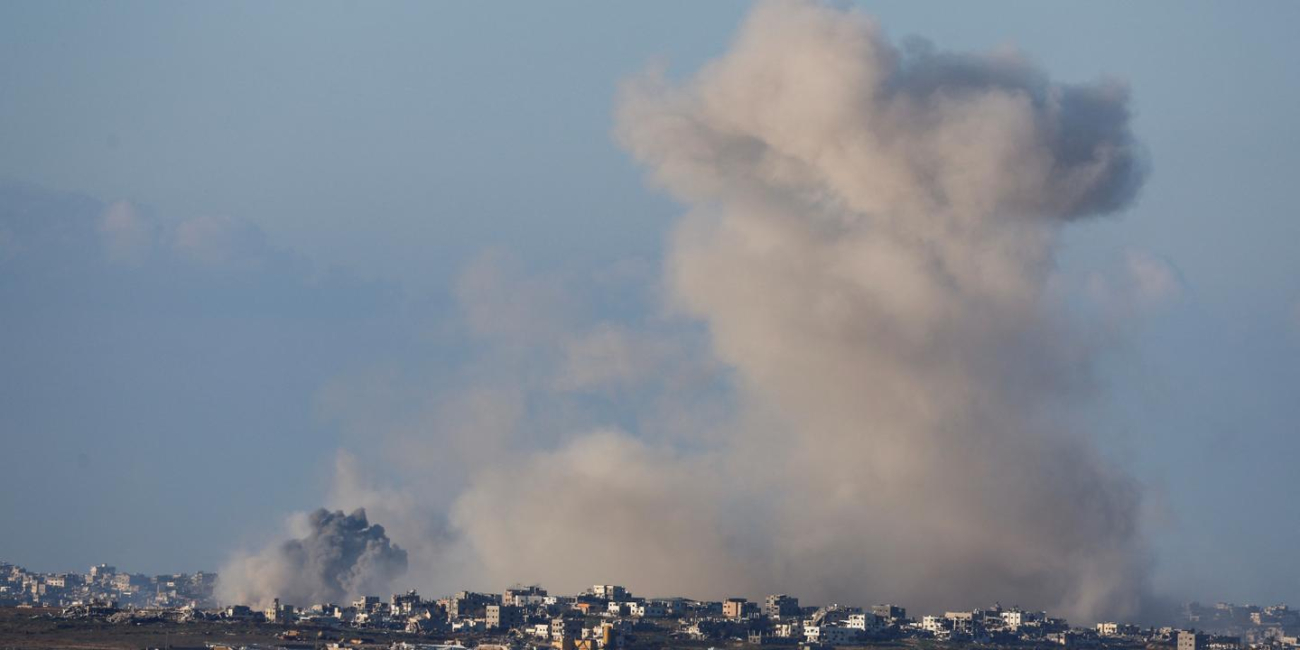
(961, 622)
(736, 608)
(278, 613)
(936, 625)
(832, 634)
(647, 610)
(866, 622)
(889, 613)
(468, 603)
(504, 617)
(1192, 640)
(609, 592)
(1111, 629)
(524, 596)
(404, 603)
(780, 606)
(565, 627)
(791, 630)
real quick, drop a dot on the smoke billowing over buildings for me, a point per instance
(868, 243)
(870, 239)
(339, 556)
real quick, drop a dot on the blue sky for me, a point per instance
(338, 166)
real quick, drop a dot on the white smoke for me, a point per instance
(870, 240)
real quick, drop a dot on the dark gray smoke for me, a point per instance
(339, 557)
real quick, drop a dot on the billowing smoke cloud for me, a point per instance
(338, 557)
(870, 243)
(873, 233)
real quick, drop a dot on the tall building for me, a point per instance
(504, 617)
(780, 606)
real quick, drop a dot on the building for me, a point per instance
(504, 617)
(961, 622)
(405, 603)
(1112, 629)
(524, 596)
(238, 612)
(831, 634)
(1192, 640)
(610, 637)
(101, 572)
(780, 606)
(1218, 642)
(936, 625)
(468, 603)
(866, 622)
(278, 613)
(788, 630)
(647, 610)
(737, 608)
(366, 603)
(565, 627)
(889, 613)
(609, 592)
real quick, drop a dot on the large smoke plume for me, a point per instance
(339, 557)
(870, 243)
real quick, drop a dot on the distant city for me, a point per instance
(610, 616)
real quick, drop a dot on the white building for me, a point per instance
(647, 610)
(832, 634)
(1015, 619)
(935, 625)
(866, 622)
(609, 592)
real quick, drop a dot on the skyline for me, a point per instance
(107, 604)
(222, 317)
(109, 586)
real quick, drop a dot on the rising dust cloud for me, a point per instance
(869, 242)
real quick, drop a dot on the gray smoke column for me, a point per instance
(870, 241)
(339, 557)
(872, 237)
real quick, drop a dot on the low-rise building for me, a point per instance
(566, 627)
(889, 613)
(867, 622)
(832, 634)
(609, 592)
(647, 610)
(738, 608)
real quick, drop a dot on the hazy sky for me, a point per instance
(214, 218)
